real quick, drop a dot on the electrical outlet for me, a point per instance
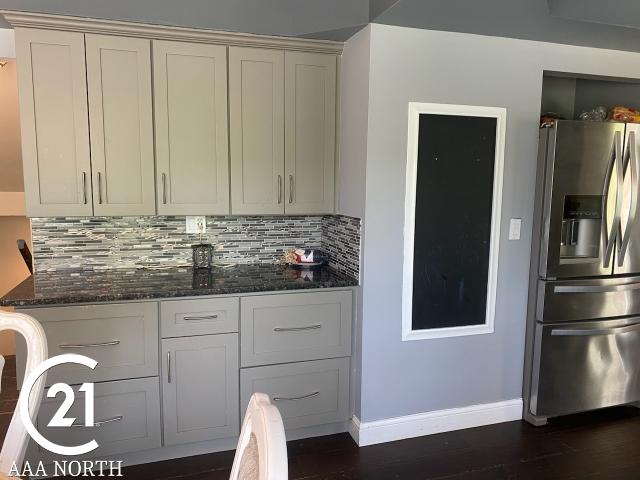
(196, 225)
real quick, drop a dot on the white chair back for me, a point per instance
(17, 438)
(262, 428)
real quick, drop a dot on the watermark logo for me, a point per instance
(73, 468)
(59, 419)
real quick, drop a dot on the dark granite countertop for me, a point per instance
(73, 286)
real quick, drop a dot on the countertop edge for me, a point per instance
(70, 298)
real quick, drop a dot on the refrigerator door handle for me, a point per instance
(609, 236)
(590, 332)
(619, 287)
(631, 153)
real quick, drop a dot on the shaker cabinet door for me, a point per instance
(192, 153)
(256, 99)
(200, 388)
(310, 129)
(121, 125)
(54, 127)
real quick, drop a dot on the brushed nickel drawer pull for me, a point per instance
(203, 317)
(89, 345)
(293, 399)
(297, 329)
(100, 423)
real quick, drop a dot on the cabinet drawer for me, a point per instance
(130, 410)
(306, 393)
(122, 338)
(182, 318)
(295, 327)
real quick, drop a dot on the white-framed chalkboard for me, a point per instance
(453, 195)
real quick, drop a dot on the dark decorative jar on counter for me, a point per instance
(202, 255)
(202, 278)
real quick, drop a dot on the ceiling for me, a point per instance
(611, 24)
(598, 23)
(325, 19)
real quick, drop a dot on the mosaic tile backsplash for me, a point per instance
(100, 243)
(341, 240)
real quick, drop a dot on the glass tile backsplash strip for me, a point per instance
(96, 243)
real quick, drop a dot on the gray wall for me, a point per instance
(354, 108)
(401, 378)
(559, 96)
(591, 93)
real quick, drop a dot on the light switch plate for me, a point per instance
(196, 225)
(514, 228)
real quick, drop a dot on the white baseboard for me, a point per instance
(12, 204)
(417, 425)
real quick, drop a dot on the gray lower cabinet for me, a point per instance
(183, 384)
(202, 316)
(306, 393)
(200, 388)
(126, 416)
(295, 327)
(122, 338)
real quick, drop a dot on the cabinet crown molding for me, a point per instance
(163, 32)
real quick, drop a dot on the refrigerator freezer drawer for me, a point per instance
(574, 300)
(584, 366)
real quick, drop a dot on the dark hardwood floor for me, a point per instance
(602, 445)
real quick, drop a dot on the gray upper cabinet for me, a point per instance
(192, 154)
(116, 125)
(310, 129)
(256, 99)
(200, 388)
(54, 127)
(283, 122)
(121, 125)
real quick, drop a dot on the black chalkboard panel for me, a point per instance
(454, 191)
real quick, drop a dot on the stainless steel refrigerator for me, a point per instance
(583, 325)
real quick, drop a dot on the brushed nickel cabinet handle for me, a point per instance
(279, 189)
(90, 345)
(293, 399)
(297, 329)
(100, 423)
(99, 188)
(84, 187)
(290, 188)
(168, 367)
(203, 317)
(164, 188)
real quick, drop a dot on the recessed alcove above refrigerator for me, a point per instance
(568, 94)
